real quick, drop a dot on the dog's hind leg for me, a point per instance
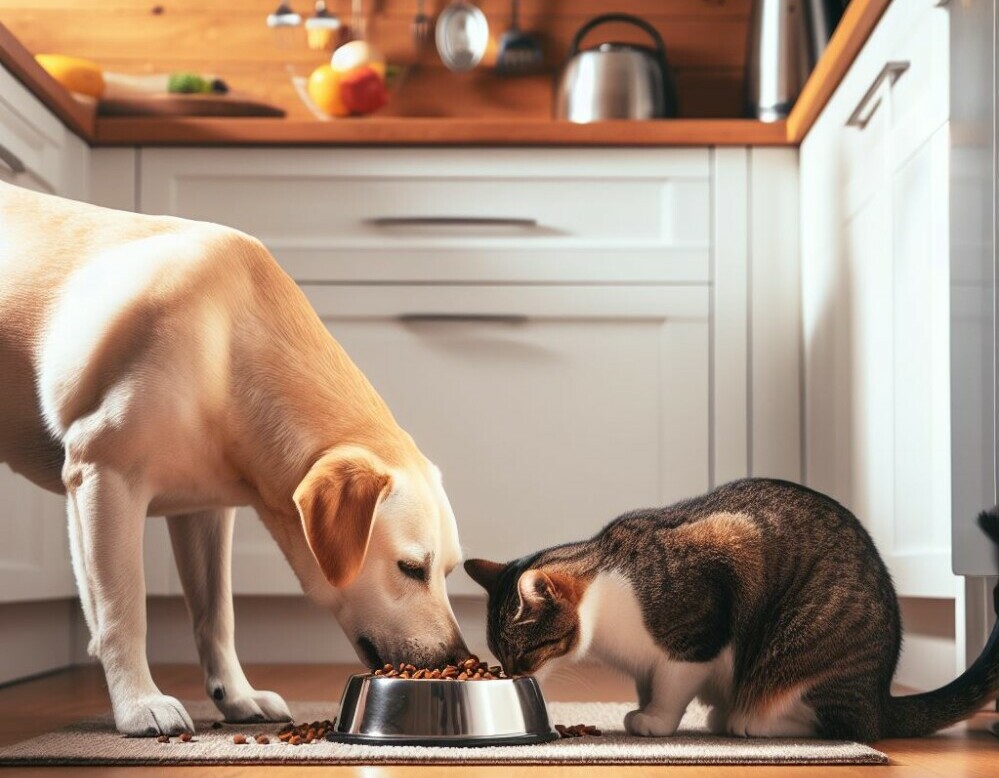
(202, 547)
(109, 513)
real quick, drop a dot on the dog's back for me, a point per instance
(84, 291)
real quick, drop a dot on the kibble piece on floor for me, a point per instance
(163, 739)
(239, 739)
(263, 740)
(186, 737)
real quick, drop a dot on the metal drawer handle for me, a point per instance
(482, 318)
(859, 118)
(451, 221)
(11, 160)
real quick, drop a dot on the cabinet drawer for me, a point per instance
(550, 410)
(32, 137)
(456, 215)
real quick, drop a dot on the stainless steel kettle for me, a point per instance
(615, 80)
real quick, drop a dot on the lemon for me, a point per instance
(77, 75)
(324, 89)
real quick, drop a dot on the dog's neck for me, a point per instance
(317, 399)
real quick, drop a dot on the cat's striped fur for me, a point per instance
(764, 598)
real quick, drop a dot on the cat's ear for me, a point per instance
(484, 572)
(535, 588)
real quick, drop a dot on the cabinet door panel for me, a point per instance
(549, 410)
(34, 556)
(871, 450)
(919, 548)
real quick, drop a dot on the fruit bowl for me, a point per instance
(437, 712)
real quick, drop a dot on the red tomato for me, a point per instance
(362, 90)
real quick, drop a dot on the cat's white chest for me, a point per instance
(611, 626)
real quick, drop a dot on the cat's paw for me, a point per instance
(647, 724)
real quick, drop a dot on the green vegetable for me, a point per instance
(188, 83)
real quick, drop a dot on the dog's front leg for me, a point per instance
(107, 516)
(202, 547)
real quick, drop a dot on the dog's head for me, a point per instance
(385, 538)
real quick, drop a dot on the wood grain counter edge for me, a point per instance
(858, 21)
(21, 64)
(377, 131)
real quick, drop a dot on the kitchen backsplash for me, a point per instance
(705, 39)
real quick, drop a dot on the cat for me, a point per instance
(764, 599)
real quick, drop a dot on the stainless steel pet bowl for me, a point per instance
(430, 712)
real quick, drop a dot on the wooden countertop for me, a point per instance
(394, 131)
(858, 21)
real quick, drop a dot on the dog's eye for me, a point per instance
(413, 570)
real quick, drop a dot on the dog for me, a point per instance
(154, 366)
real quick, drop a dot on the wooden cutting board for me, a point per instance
(186, 105)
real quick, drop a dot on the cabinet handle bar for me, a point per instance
(484, 318)
(892, 71)
(11, 160)
(451, 221)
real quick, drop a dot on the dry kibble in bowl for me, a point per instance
(470, 669)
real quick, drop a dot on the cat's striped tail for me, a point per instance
(923, 714)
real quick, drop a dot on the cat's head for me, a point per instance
(533, 612)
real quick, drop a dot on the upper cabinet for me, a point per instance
(875, 267)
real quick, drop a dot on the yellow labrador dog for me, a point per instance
(157, 366)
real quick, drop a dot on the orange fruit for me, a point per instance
(324, 89)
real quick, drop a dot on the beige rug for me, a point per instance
(95, 742)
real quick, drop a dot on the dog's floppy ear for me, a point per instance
(484, 572)
(337, 501)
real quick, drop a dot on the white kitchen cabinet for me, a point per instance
(452, 215)
(569, 334)
(36, 150)
(34, 555)
(875, 289)
(549, 409)
(39, 153)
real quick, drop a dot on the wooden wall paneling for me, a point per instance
(705, 43)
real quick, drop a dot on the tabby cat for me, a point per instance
(764, 599)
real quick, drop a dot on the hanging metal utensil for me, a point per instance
(462, 36)
(519, 52)
(422, 27)
(284, 23)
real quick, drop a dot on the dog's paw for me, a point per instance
(644, 724)
(254, 706)
(154, 714)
